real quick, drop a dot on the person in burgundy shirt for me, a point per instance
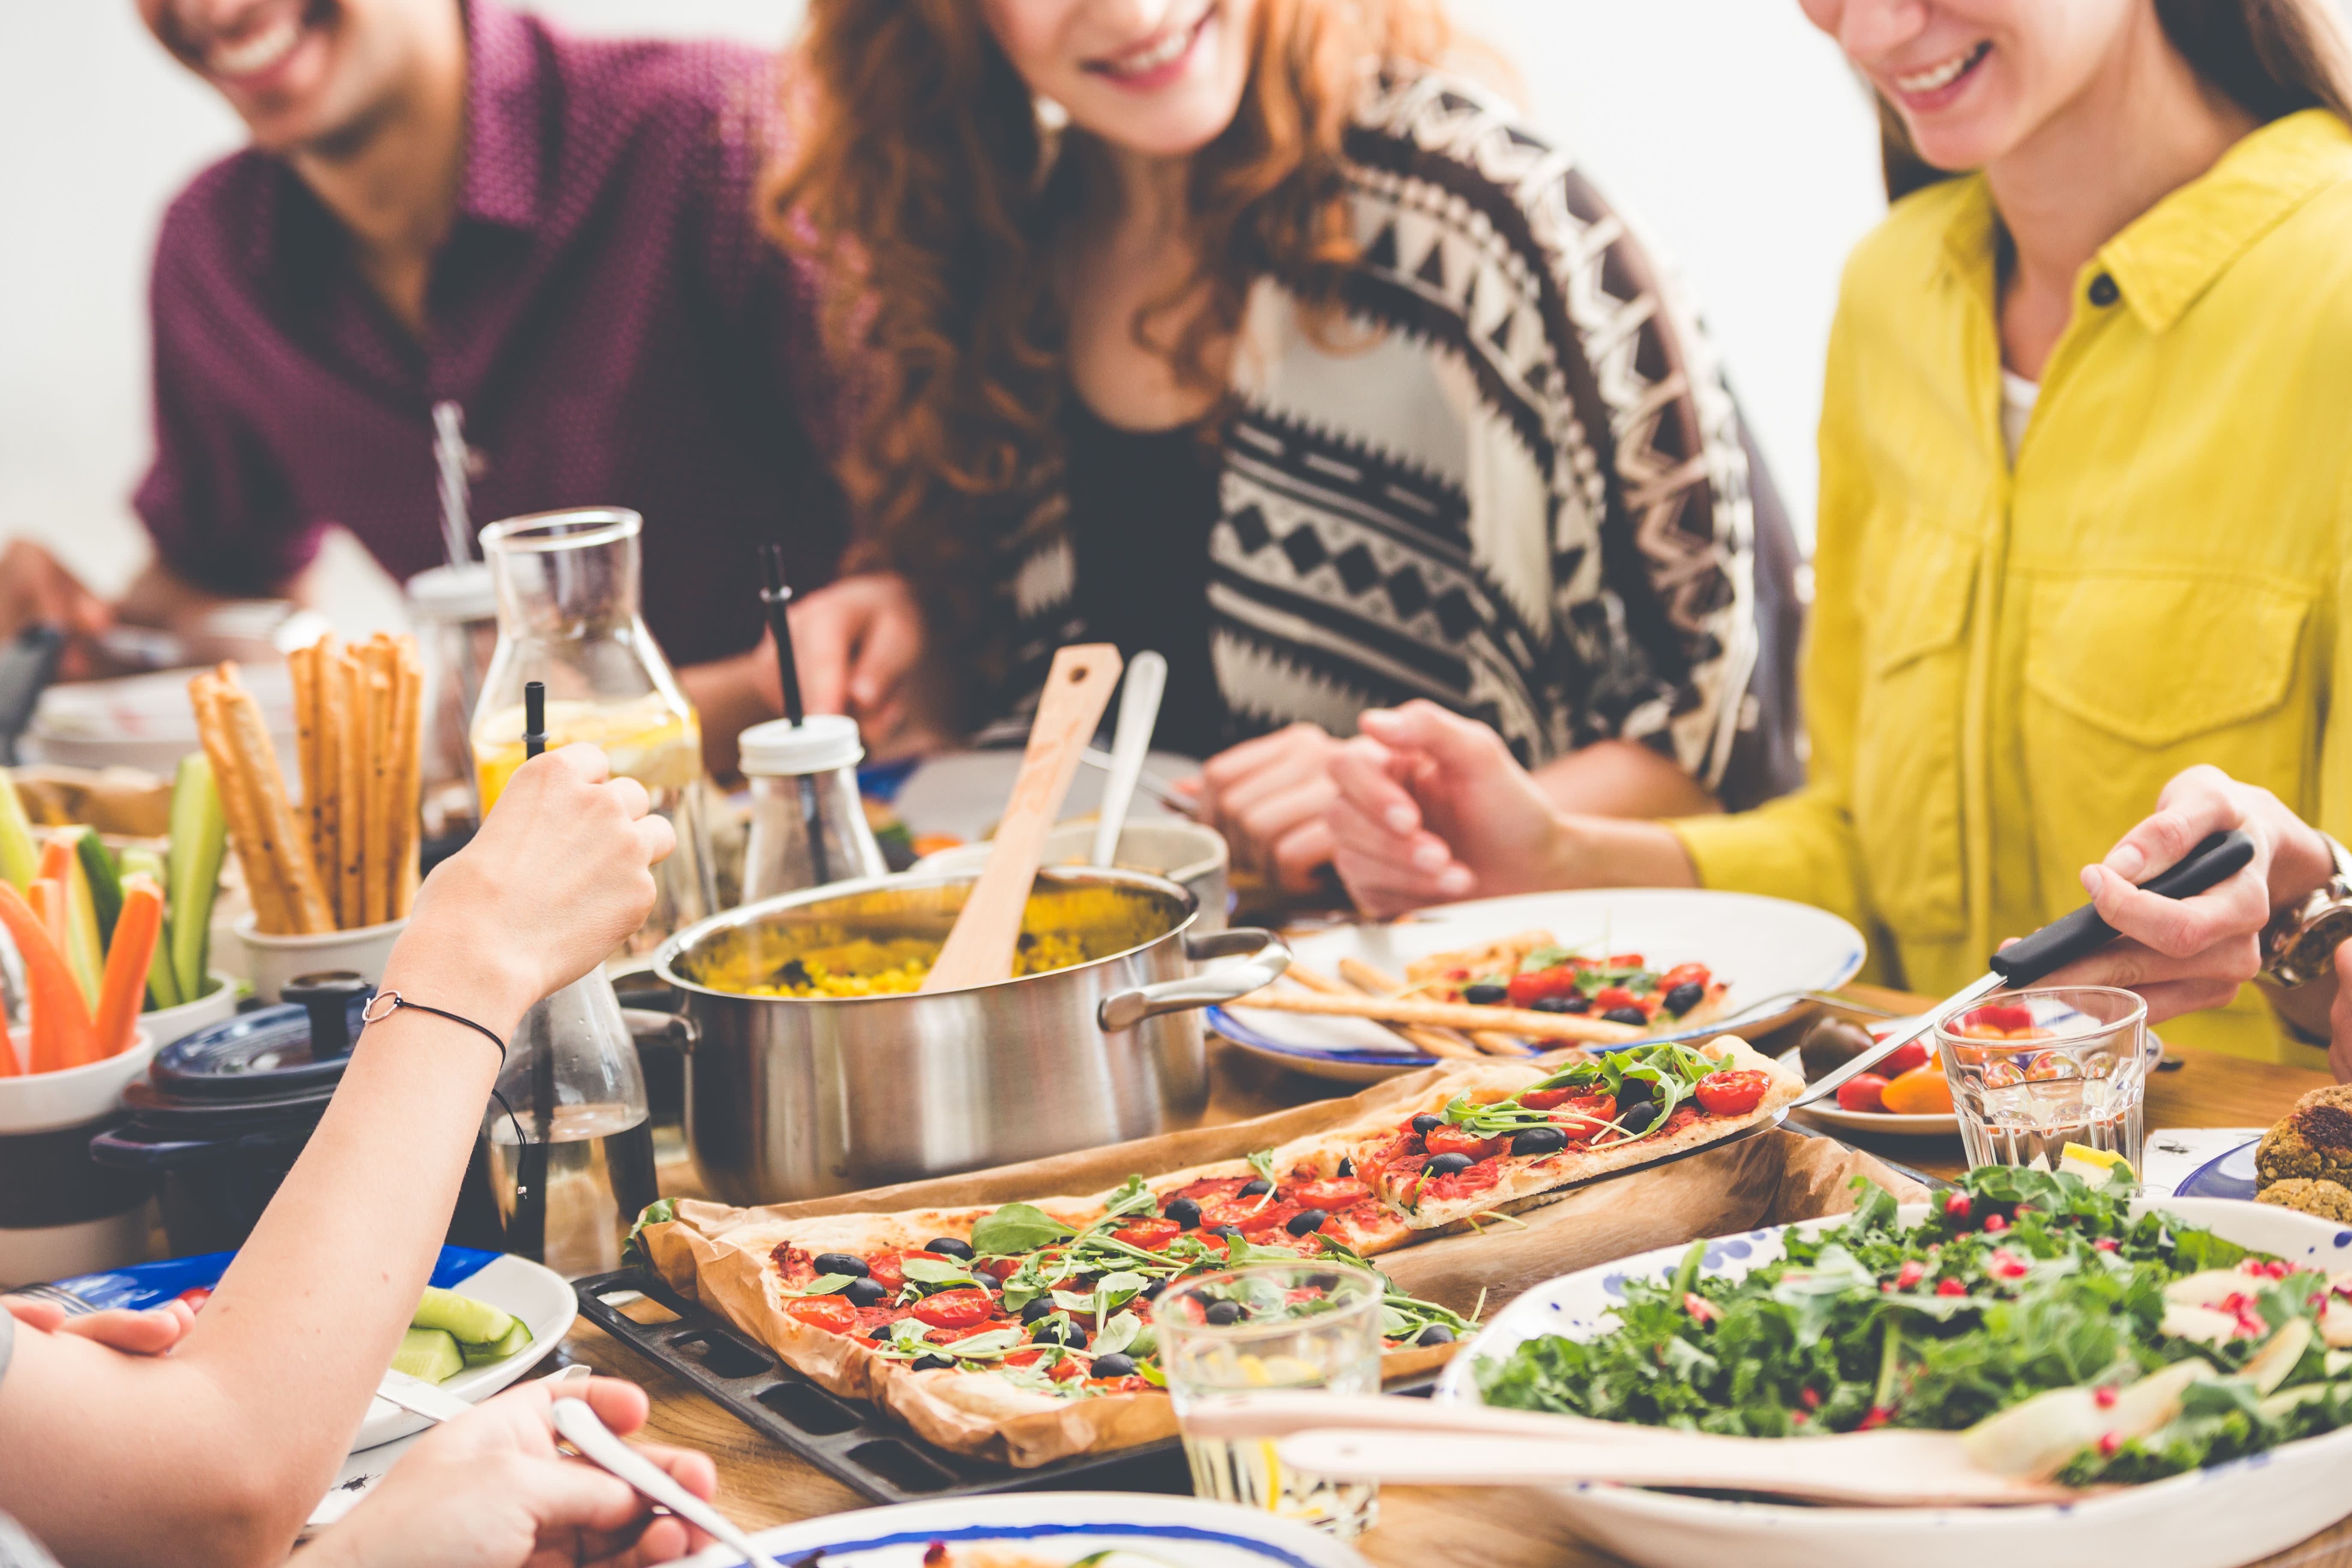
(444, 200)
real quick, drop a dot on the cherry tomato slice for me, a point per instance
(1623, 961)
(1610, 996)
(956, 1309)
(1528, 989)
(1581, 1116)
(195, 1296)
(1151, 1235)
(1861, 1092)
(1909, 1055)
(886, 1268)
(1684, 975)
(1330, 1196)
(1453, 1140)
(997, 1268)
(833, 1314)
(1733, 1093)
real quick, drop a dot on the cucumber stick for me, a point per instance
(516, 1338)
(105, 885)
(162, 985)
(429, 1354)
(199, 840)
(84, 950)
(477, 1323)
(20, 857)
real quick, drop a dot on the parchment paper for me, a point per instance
(715, 1254)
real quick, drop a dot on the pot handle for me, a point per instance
(1268, 956)
(646, 1024)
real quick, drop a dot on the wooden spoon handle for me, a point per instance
(978, 950)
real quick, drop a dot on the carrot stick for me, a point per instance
(125, 985)
(57, 858)
(62, 1025)
(48, 896)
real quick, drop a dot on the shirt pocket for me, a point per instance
(1906, 768)
(2131, 677)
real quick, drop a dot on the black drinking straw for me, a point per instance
(776, 595)
(527, 1228)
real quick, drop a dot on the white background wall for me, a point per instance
(1729, 126)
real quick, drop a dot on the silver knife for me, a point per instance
(2061, 943)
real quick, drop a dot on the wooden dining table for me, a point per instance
(761, 1484)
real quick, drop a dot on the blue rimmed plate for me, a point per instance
(2231, 1175)
(1768, 951)
(1051, 1530)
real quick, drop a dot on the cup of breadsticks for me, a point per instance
(329, 876)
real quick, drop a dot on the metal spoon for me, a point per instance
(578, 1425)
(1139, 710)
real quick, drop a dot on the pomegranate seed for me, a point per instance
(1797, 1419)
(1951, 1287)
(1879, 1416)
(2104, 1244)
(2104, 1397)
(1699, 1308)
(1994, 1225)
(1809, 1397)
(1956, 1205)
(1887, 1286)
(1910, 1274)
(2108, 1443)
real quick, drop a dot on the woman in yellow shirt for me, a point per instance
(2146, 287)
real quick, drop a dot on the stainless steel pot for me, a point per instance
(790, 1097)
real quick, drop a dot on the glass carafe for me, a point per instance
(570, 1142)
(567, 586)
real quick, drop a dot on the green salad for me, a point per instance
(2066, 1339)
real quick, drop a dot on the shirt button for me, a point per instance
(2103, 291)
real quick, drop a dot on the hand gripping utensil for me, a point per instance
(2069, 937)
(578, 1425)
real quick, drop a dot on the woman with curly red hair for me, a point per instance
(1238, 330)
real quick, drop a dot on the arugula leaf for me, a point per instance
(1015, 1229)
(928, 1271)
(661, 1211)
(823, 1285)
(1116, 1334)
(974, 1347)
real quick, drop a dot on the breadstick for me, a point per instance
(282, 840)
(1447, 1015)
(374, 852)
(261, 887)
(302, 670)
(328, 698)
(351, 772)
(1379, 983)
(407, 735)
(1429, 1042)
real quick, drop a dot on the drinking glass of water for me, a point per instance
(1272, 1326)
(2032, 1071)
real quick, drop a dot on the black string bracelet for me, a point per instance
(368, 1014)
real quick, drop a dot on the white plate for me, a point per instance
(539, 1296)
(2221, 1517)
(1764, 948)
(1139, 1530)
(1828, 1113)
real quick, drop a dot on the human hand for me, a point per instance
(858, 645)
(1431, 807)
(489, 1491)
(1267, 796)
(34, 589)
(556, 879)
(2186, 954)
(149, 1332)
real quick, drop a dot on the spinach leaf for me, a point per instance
(1015, 1229)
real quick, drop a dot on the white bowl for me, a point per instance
(215, 1005)
(46, 1101)
(2219, 1517)
(275, 960)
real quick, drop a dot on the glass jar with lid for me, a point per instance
(808, 825)
(568, 613)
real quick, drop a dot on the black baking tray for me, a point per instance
(858, 1444)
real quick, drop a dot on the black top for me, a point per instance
(1142, 505)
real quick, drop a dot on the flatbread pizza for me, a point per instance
(1533, 972)
(1494, 1149)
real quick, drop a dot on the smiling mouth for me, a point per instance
(1155, 54)
(1944, 75)
(257, 52)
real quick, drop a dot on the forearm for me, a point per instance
(1608, 852)
(161, 597)
(1620, 778)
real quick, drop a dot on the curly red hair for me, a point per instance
(924, 188)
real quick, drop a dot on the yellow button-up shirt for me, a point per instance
(2005, 666)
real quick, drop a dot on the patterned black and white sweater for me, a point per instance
(1515, 486)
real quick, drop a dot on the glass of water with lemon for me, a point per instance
(1265, 1327)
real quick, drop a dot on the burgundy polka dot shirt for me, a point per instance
(604, 310)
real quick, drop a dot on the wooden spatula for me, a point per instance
(1390, 1440)
(979, 951)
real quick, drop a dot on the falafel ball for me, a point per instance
(2313, 1140)
(2328, 1200)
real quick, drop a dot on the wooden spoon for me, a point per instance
(979, 951)
(1389, 1440)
